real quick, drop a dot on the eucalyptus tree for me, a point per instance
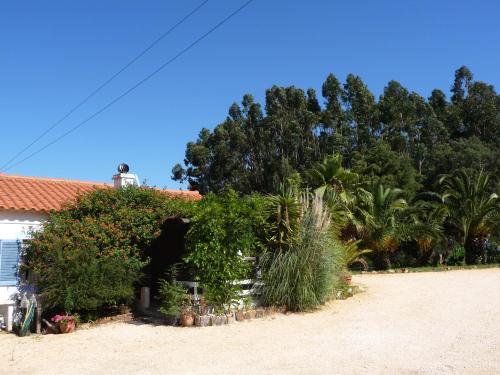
(400, 140)
(361, 111)
(335, 135)
(381, 165)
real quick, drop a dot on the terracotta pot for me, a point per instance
(348, 279)
(240, 315)
(67, 327)
(187, 320)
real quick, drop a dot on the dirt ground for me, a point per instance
(418, 323)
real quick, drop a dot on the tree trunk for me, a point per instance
(474, 249)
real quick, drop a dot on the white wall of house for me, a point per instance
(15, 225)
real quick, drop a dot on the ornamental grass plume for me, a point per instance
(302, 275)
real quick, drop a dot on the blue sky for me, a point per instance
(53, 53)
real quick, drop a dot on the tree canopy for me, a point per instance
(401, 140)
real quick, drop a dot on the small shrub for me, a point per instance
(492, 253)
(172, 297)
(456, 257)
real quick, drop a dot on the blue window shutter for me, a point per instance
(9, 258)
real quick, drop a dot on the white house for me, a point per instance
(25, 203)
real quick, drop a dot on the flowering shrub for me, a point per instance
(89, 256)
(63, 319)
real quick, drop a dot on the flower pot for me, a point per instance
(187, 320)
(67, 327)
(240, 315)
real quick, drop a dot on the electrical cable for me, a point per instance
(105, 83)
(142, 81)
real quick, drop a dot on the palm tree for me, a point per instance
(331, 176)
(351, 253)
(284, 210)
(473, 209)
(341, 189)
(381, 233)
(423, 223)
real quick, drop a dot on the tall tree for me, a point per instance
(334, 132)
(361, 111)
(402, 140)
(381, 165)
(473, 209)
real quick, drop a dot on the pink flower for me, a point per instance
(62, 318)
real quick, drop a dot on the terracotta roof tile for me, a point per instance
(48, 194)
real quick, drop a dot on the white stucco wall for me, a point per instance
(15, 225)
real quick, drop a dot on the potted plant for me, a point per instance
(65, 323)
(202, 319)
(187, 315)
(171, 298)
(248, 308)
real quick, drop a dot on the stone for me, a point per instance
(230, 319)
(218, 320)
(250, 314)
(202, 320)
(259, 313)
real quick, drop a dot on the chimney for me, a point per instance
(123, 178)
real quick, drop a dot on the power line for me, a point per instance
(142, 81)
(105, 83)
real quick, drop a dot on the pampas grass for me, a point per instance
(303, 275)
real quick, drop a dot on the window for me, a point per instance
(9, 258)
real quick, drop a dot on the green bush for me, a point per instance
(456, 257)
(77, 279)
(89, 255)
(172, 297)
(224, 229)
(302, 275)
(492, 252)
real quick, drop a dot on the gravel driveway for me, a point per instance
(418, 323)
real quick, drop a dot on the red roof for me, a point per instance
(48, 194)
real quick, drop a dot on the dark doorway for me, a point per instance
(166, 250)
